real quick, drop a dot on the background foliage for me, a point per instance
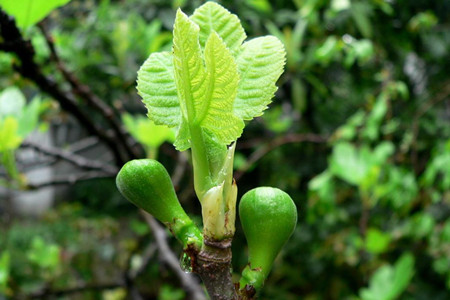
(358, 134)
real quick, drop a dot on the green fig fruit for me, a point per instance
(146, 183)
(268, 217)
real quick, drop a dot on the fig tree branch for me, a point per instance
(69, 179)
(73, 158)
(46, 293)
(273, 144)
(85, 93)
(14, 42)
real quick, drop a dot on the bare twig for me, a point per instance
(187, 280)
(46, 293)
(84, 92)
(271, 145)
(180, 169)
(444, 93)
(73, 158)
(285, 139)
(14, 42)
(147, 254)
(83, 144)
(69, 179)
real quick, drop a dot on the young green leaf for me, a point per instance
(211, 17)
(216, 115)
(206, 94)
(260, 63)
(156, 85)
(190, 73)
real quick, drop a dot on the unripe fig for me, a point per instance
(146, 183)
(268, 217)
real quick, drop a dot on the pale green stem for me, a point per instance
(202, 175)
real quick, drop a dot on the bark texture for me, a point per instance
(213, 264)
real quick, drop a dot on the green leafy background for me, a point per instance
(358, 134)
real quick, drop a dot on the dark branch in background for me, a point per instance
(444, 93)
(69, 179)
(83, 144)
(85, 93)
(147, 254)
(73, 158)
(14, 42)
(46, 293)
(48, 160)
(271, 145)
(180, 169)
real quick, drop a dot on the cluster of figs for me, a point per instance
(268, 215)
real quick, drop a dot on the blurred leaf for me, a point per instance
(4, 271)
(309, 7)
(262, 6)
(276, 121)
(29, 12)
(43, 254)
(398, 188)
(9, 136)
(439, 165)
(423, 21)
(373, 123)
(348, 131)
(420, 225)
(339, 5)
(240, 161)
(376, 241)
(402, 90)
(115, 294)
(322, 199)
(359, 166)
(168, 292)
(12, 102)
(361, 12)
(442, 265)
(347, 163)
(146, 132)
(364, 50)
(140, 228)
(29, 118)
(389, 282)
(298, 95)
(382, 152)
(326, 53)
(120, 36)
